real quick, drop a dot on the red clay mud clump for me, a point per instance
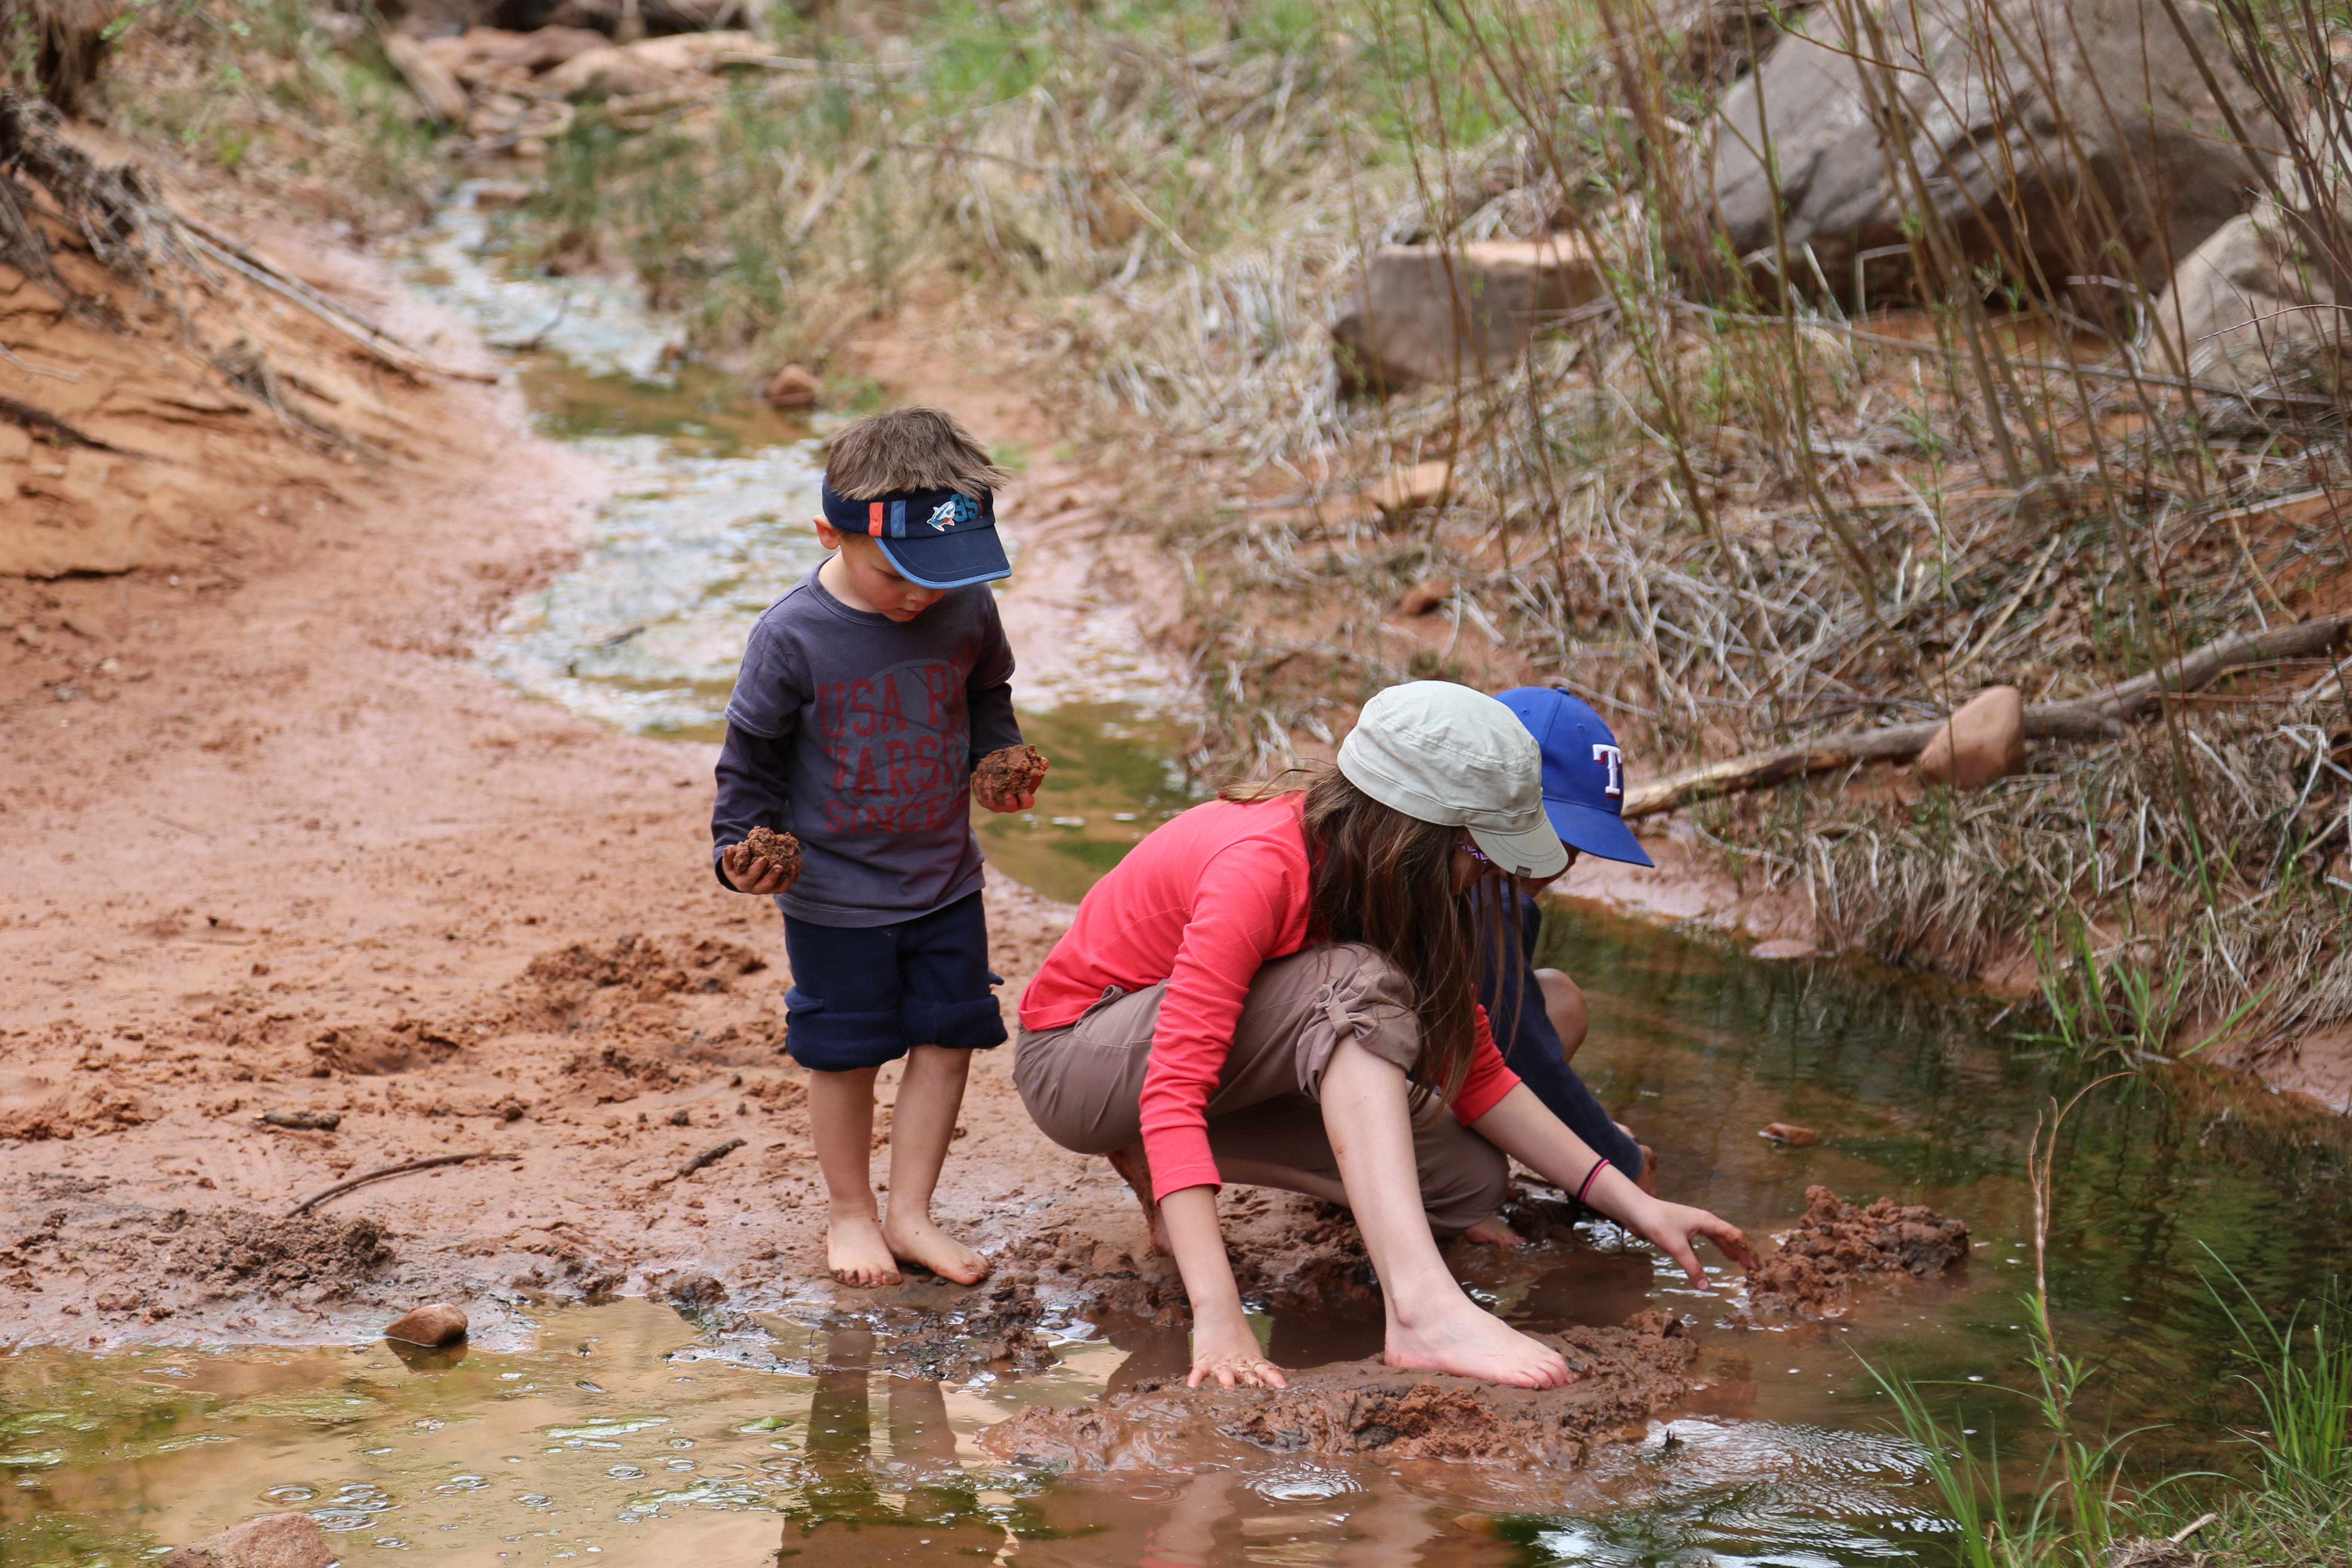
(1836, 1243)
(1006, 774)
(1099, 1282)
(1625, 1375)
(319, 1256)
(35, 1106)
(781, 847)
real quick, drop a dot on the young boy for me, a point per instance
(1539, 1028)
(866, 696)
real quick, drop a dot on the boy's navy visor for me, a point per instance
(935, 539)
(1583, 772)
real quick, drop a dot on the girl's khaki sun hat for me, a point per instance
(1444, 754)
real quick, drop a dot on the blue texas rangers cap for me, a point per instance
(936, 539)
(1583, 772)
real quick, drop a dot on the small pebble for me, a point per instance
(435, 1324)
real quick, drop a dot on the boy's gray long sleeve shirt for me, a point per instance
(857, 734)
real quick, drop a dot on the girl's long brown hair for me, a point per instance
(1386, 879)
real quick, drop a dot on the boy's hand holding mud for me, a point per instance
(765, 862)
(1007, 779)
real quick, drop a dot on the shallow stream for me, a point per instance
(632, 1432)
(635, 1433)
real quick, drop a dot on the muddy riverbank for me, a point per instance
(276, 844)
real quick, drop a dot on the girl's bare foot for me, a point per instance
(1492, 1232)
(1469, 1342)
(917, 1240)
(856, 1254)
(1128, 1163)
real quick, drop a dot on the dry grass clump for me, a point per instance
(1069, 162)
(2229, 895)
(288, 99)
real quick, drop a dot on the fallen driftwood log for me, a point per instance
(2098, 717)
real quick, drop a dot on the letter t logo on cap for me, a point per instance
(1615, 761)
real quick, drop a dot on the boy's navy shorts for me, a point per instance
(863, 996)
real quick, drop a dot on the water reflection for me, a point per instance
(1923, 1095)
(914, 1504)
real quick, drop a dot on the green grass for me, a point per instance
(2289, 1499)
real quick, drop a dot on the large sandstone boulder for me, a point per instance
(2030, 123)
(2258, 304)
(1430, 313)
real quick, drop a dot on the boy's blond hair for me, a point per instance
(913, 449)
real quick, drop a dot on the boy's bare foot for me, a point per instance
(1492, 1232)
(1649, 1182)
(856, 1254)
(1470, 1341)
(1138, 1176)
(919, 1241)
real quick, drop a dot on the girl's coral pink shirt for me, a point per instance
(1202, 903)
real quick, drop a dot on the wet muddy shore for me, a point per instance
(307, 885)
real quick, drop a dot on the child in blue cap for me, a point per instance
(1540, 1028)
(867, 697)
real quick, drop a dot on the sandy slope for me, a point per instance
(272, 844)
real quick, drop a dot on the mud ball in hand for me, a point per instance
(1006, 774)
(779, 848)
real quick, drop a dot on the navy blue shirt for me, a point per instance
(857, 734)
(1531, 1047)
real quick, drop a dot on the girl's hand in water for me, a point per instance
(1232, 1357)
(1674, 1229)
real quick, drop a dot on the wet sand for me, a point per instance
(290, 850)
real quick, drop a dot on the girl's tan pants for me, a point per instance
(1082, 1082)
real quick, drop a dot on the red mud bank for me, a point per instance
(1304, 1261)
(1625, 1376)
(275, 846)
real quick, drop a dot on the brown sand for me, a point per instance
(281, 847)
(1626, 1375)
(1007, 773)
(1836, 1246)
